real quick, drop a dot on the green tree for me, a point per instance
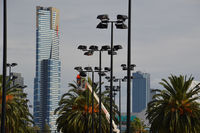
(73, 110)
(138, 126)
(18, 118)
(175, 109)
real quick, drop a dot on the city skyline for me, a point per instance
(165, 37)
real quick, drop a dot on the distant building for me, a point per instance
(141, 94)
(47, 75)
(19, 80)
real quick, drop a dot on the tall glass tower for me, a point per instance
(47, 75)
(141, 91)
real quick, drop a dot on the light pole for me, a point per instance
(4, 66)
(104, 25)
(115, 89)
(90, 52)
(90, 69)
(10, 65)
(82, 74)
(120, 80)
(130, 68)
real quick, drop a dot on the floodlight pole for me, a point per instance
(99, 91)
(120, 122)
(92, 101)
(4, 66)
(111, 77)
(87, 114)
(128, 68)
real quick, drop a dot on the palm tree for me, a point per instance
(73, 110)
(175, 109)
(18, 117)
(138, 126)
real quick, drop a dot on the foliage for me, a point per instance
(138, 126)
(47, 128)
(175, 109)
(18, 118)
(73, 110)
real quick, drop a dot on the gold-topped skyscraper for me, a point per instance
(47, 75)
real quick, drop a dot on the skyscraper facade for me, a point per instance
(48, 67)
(19, 81)
(140, 91)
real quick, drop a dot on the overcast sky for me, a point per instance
(165, 37)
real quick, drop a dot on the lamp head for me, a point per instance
(96, 68)
(107, 87)
(113, 53)
(123, 80)
(123, 65)
(82, 47)
(93, 48)
(116, 80)
(102, 74)
(121, 26)
(105, 48)
(117, 47)
(8, 65)
(89, 53)
(107, 77)
(132, 66)
(14, 77)
(13, 64)
(103, 17)
(102, 25)
(122, 17)
(89, 69)
(107, 68)
(78, 68)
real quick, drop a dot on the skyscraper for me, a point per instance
(140, 91)
(47, 76)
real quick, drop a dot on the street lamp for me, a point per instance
(10, 65)
(101, 73)
(119, 23)
(83, 74)
(129, 67)
(124, 79)
(89, 52)
(3, 111)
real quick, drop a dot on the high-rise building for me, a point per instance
(140, 91)
(47, 76)
(19, 81)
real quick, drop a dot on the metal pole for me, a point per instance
(120, 121)
(92, 101)
(87, 115)
(111, 77)
(4, 67)
(128, 68)
(99, 92)
(9, 72)
(114, 97)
